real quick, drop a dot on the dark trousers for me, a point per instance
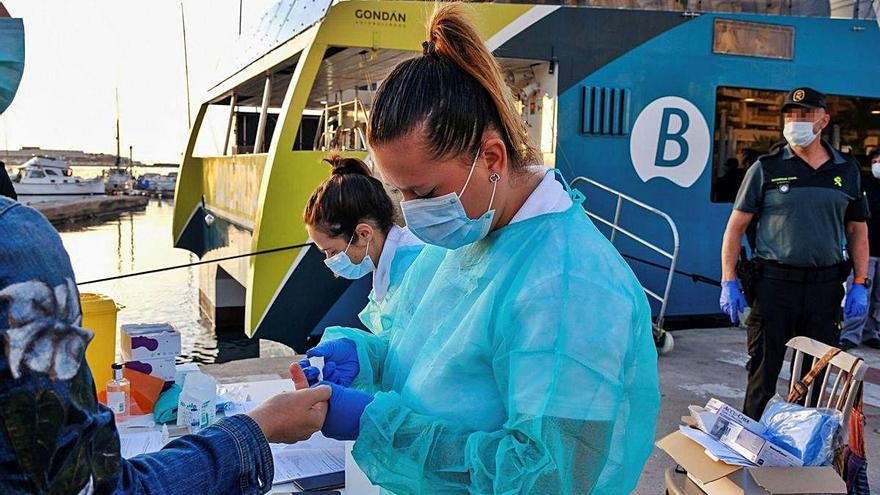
(782, 310)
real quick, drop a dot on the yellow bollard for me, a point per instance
(99, 316)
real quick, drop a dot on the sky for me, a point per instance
(78, 52)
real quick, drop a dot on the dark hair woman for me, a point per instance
(350, 218)
(520, 356)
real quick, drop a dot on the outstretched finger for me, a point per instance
(298, 377)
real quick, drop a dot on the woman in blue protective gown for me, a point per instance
(350, 218)
(519, 356)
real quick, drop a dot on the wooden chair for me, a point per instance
(844, 372)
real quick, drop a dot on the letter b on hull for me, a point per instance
(670, 139)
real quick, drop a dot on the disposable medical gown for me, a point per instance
(372, 314)
(523, 363)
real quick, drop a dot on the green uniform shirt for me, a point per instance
(802, 212)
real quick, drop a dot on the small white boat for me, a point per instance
(45, 179)
(158, 184)
(117, 180)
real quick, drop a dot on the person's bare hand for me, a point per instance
(291, 417)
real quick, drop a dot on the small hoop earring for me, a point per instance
(494, 177)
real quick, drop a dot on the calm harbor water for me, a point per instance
(140, 241)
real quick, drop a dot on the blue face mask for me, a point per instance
(342, 266)
(442, 221)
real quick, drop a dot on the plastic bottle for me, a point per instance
(194, 420)
(119, 394)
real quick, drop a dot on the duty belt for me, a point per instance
(804, 275)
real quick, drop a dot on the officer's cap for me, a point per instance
(804, 98)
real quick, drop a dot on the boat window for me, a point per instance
(231, 123)
(36, 174)
(51, 172)
(339, 102)
(748, 123)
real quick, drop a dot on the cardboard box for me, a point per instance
(160, 368)
(149, 341)
(756, 448)
(718, 478)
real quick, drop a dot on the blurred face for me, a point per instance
(875, 160)
(331, 246)
(817, 116)
(408, 166)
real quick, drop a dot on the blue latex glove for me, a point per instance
(732, 300)
(340, 362)
(856, 304)
(344, 411)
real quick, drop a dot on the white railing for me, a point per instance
(672, 256)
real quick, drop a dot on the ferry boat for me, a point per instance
(653, 113)
(45, 179)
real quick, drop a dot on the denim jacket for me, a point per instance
(54, 435)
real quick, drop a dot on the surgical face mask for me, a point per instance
(875, 170)
(443, 221)
(342, 266)
(799, 134)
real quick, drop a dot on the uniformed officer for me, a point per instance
(810, 211)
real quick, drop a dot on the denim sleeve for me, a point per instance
(54, 435)
(232, 456)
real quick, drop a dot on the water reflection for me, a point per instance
(142, 241)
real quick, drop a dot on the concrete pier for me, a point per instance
(85, 209)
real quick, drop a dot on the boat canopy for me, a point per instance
(45, 162)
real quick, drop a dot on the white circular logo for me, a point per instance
(670, 139)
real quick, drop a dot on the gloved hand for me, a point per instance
(345, 408)
(732, 300)
(340, 362)
(856, 304)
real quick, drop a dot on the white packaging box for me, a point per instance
(735, 416)
(163, 368)
(149, 341)
(756, 448)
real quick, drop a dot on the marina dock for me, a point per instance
(86, 209)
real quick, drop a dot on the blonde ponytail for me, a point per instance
(452, 35)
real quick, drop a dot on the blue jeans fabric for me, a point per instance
(54, 435)
(866, 327)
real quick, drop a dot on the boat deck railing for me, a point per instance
(342, 126)
(615, 225)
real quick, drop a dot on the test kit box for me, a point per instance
(735, 416)
(757, 449)
(163, 368)
(149, 341)
(718, 478)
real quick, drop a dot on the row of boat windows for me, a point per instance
(38, 174)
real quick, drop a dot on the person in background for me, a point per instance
(810, 232)
(6, 188)
(54, 435)
(865, 329)
(350, 218)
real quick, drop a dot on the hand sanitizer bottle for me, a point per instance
(119, 394)
(194, 420)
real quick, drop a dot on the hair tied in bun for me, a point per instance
(346, 166)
